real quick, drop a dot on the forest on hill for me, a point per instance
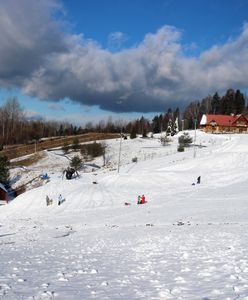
(16, 128)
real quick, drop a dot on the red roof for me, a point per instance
(224, 120)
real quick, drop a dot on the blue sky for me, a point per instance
(203, 22)
(81, 61)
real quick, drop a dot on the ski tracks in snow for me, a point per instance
(136, 262)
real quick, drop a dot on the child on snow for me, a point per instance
(141, 200)
(60, 199)
(48, 201)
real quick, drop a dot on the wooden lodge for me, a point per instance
(224, 123)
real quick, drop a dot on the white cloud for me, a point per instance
(45, 62)
(116, 40)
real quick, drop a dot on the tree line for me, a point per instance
(232, 102)
(16, 128)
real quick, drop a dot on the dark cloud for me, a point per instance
(50, 64)
(28, 36)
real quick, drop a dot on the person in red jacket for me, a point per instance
(143, 200)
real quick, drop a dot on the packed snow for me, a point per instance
(189, 241)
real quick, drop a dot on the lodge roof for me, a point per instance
(223, 120)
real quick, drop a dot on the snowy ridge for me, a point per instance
(187, 242)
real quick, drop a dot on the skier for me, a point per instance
(139, 200)
(199, 180)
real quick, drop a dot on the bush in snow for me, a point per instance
(180, 148)
(76, 162)
(185, 139)
(93, 150)
(164, 140)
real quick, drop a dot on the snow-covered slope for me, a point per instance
(187, 242)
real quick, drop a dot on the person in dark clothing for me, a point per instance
(199, 180)
(60, 199)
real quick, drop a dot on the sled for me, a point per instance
(61, 201)
(142, 202)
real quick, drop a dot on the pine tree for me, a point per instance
(228, 102)
(169, 127)
(216, 104)
(155, 125)
(206, 105)
(76, 162)
(239, 102)
(133, 133)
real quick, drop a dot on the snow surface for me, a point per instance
(187, 242)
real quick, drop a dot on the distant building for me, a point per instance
(224, 123)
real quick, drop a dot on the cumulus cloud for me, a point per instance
(116, 40)
(50, 64)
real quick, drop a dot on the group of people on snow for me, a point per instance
(141, 199)
(49, 201)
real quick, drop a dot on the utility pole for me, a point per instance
(195, 140)
(119, 159)
(229, 129)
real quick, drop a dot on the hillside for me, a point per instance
(16, 151)
(187, 242)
